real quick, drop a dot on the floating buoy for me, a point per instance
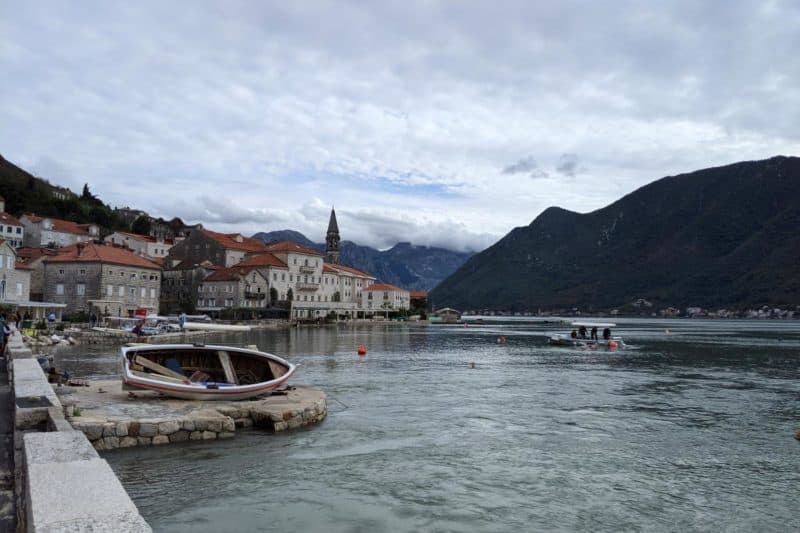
(362, 350)
(612, 345)
(501, 340)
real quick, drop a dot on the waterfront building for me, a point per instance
(275, 271)
(151, 247)
(221, 249)
(15, 278)
(55, 233)
(33, 261)
(235, 287)
(385, 298)
(11, 229)
(103, 278)
(180, 285)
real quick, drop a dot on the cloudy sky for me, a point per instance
(440, 123)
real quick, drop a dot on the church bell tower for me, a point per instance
(332, 241)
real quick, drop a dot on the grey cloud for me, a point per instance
(568, 165)
(526, 164)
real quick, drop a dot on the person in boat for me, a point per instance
(574, 334)
(606, 334)
(582, 332)
(594, 333)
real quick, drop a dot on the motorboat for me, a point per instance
(582, 338)
(203, 372)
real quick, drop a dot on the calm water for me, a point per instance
(691, 430)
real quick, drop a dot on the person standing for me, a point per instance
(594, 333)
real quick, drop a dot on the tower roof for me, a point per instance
(333, 227)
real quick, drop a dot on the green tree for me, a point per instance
(141, 226)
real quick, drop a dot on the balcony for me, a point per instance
(250, 295)
(302, 286)
(307, 269)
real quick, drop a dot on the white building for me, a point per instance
(382, 297)
(53, 232)
(145, 245)
(15, 283)
(11, 229)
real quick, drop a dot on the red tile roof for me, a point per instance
(29, 255)
(234, 273)
(147, 238)
(383, 287)
(7, 219)
(64, 226)
(262, 260)
(92, 252)
(20, 265)
(419, 294)
(289, 246)
(235, 241)
(342, 268)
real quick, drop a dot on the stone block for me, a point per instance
(100, 505)
(228, 425)
(209, 435)
(111, 443)
(57, 447)
(160, 439)
(169, 427)
(196, 435)
(188, 425)
(148, 429)
(214, 425)
(109, 430)
(128, 442)
(179, 436)
(280, 426)
(133, 429)
(122, 429)
(93, 431)
(144, 441)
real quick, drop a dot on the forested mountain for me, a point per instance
(406, 265)
(26, 193)
(725, 236)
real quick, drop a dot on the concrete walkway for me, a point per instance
(8, 519)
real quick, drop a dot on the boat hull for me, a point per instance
(568, 341)
(262, 367)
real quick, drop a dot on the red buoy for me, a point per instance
(612, 345)
(362, 350)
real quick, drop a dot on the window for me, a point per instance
(19, 289)
(121, 274)
(60, 271)
(274, 276)
(283, 277)
(144, 292)
(132, 292)
(133, 275)
(19, 230)
(291, 277)
(295, 260)
(152, 293)
(121, 290)
(59, 288)
(82, 272)
(80, 289)
(110, 290)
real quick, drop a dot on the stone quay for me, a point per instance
(112, 418)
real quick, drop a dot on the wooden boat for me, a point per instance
(584, 340)
(200, 372)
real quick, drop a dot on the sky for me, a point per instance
(439, 123)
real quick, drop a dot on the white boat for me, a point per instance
(582, 337)
(200, 372)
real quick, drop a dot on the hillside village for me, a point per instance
(67, 269)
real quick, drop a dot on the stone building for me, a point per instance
(151, 247)
(221, 249)
(33, 259)
(235, 287)
(55, 233)
(15, 279)
(11, 229)
(180, 286)
(106, 279)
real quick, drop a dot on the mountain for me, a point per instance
(725, 236)
(406, 265)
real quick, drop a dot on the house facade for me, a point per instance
(235, 287)
(151, 247)
(385, 298)
(221, 249)
(180, 286)
(101, 278)
(55, 233)
(15, 280)
(11, 229)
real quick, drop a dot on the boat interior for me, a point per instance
(203, 365)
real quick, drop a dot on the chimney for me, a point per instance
(80, 246)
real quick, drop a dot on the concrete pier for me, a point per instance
(7, 504)
(112, 418)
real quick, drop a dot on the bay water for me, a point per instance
(691, 427)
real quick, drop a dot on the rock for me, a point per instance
(295, 422)
(226, 435)
(147, 429)
(188, 425)
(128, 442)
(280, 426)
(196, 435)
(122, 429)
(179, 436)
(93, 432)
(169, 427)
(133, 429)
(144, 441)
(109, 430)
(111, 443)
(160, 439)
(214, 425)
(228, 425)
(209, 435)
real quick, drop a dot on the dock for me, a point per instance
(112, 418)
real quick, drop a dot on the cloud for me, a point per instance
(568, 165)
(240, 114)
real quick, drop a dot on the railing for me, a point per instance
(302, 286)
(250, 295)
(307, 269)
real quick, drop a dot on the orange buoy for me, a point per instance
(612, 345)
(362, 350)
